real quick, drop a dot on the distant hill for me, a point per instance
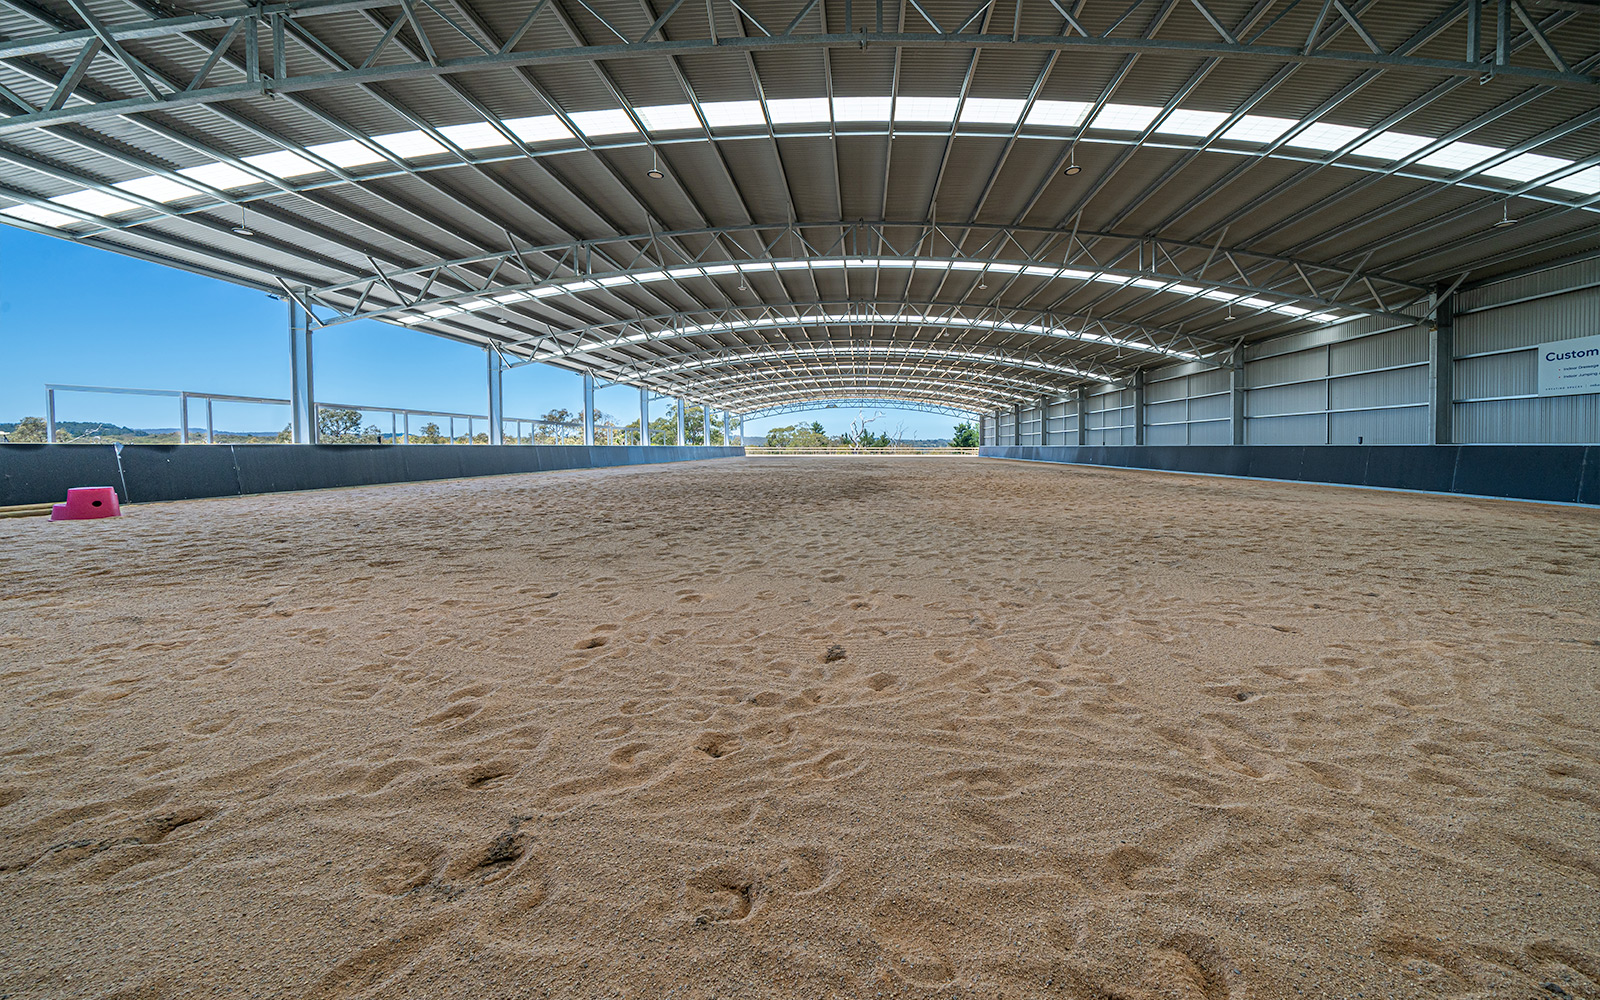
(150, 435)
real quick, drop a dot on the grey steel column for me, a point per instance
(727, 432)
(588, 409)
(1138, 406)
(705, 438)
(497, 408)
(183, 418)
(679, 404)
(302, 396)
(644, 415)
(1441, 372)
(1083, 415)
(1236, 387)
(1016, 424)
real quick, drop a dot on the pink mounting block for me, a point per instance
(84, 502)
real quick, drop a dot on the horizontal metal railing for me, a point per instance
(847, 451)
(538, 431)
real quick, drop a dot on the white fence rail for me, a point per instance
(517, 430)
(859, 452)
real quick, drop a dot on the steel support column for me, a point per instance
(1138, 406)
(588, 409)
(679, 405)
(727, 429)
(706, 426)
(497, 409)
(1236, 386)
(1441, 371)
(644, 415)
(1083, 415)
(1016, 424)
(302, 396)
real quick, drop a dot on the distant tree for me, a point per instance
(818, 429)
(430, 434)
(481, 437)
(966, 436)
(338, 426)
(561, 416)
(286, 435)
(29, 430)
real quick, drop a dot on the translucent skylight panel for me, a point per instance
(1326, 136)
(43, 216)
(409, 145)
(1058, 114)
(1527, 167)
(538, 128)
(1459, 156)
(221, 176)
(860, 109)
(283, 164)
(158, 189)
(95, 202)
(1583, 182)
(346, 153)
(925, 109)
(611, 121)
(475, 135)
(1258, 129)
(1125, 117)
(668, 117)
(1391, 146)
(799, 111)
(734, 114)
(1195, 123)
(992, 110)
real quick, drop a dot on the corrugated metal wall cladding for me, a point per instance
(1390, 388)
(1205, 383)
(1548, 420)
(1497, 375)
(1210, 408)
(1158, 392)
(1302, 398)
(1305, 429)
(1524, 324)
(1298, 367)
(1555, 279)
(1408, 426)
(1322, 336)
(1386, 350)
(1174, 411)
(1211, 433)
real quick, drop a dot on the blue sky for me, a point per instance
(76, 315)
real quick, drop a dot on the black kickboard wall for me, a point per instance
(144, 473)
(1564, 473)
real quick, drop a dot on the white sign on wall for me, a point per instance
(1567, 367)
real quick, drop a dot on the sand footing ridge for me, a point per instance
(763, 728)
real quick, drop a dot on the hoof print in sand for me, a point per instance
(834, 652)
(719, 896)
(716, 745)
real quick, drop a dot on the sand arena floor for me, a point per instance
(804, 728)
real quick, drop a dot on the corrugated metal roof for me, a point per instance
(921, 129)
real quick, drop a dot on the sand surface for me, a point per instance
(804, 728)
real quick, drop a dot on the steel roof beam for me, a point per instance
(862, 403)
(1133, 46)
